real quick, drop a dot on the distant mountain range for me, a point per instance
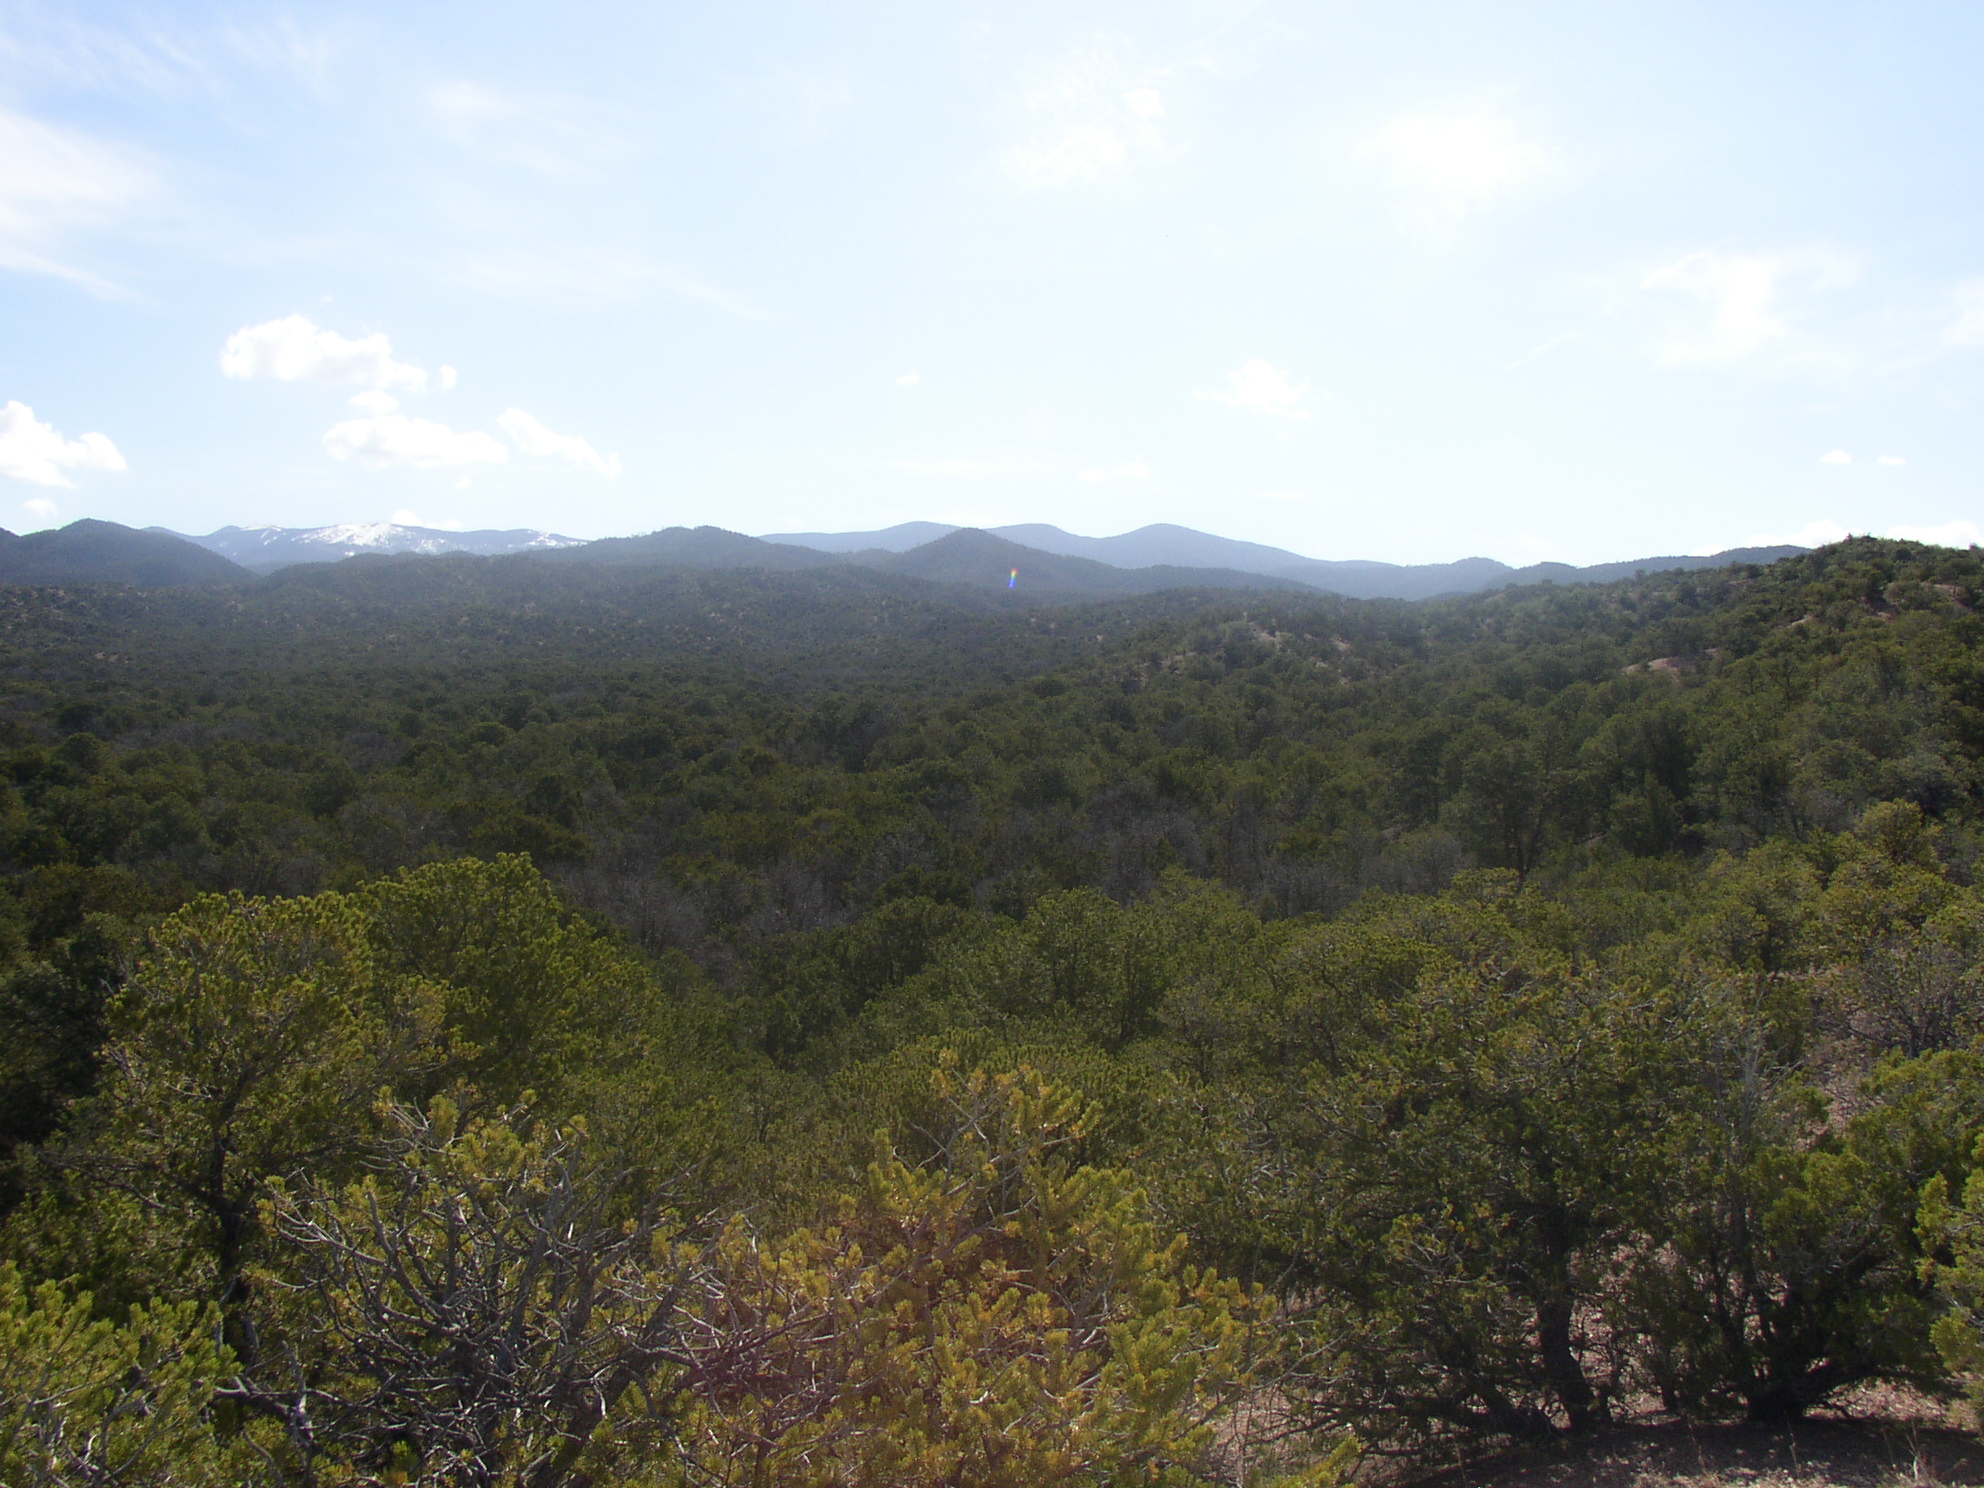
(959, 555)
(266, 549)
(986, 560)
(1035, 562)
(1182, 547)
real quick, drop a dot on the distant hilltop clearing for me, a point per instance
(266, 549)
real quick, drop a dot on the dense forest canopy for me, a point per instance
(1517, 1006)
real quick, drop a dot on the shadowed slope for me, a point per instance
(93, 552)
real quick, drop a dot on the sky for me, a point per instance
(1410, 282)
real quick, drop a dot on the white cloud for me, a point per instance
(293, 349)
(1950, 535)
(54, 184)
(1134, 470)
(590, 274)
(446, 378)
(34, 451)
(1812, 535)
(1540, 549)
(1449, 167)
(910, 379)
(561, 137)
(407, 517)
(1835, 457)
(462, 109)
(534, 439)
(395, 439)
(968, 469)
(800, 104)
(1894, 459)
(168, 57)
(1714, 307)
(1817, 534)
(375, 401)
(1966, 328)
(1259, 387)
(40, 508)
(1083, 116)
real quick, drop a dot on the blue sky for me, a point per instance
(1410, 282)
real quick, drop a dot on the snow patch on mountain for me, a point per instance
(266, 549)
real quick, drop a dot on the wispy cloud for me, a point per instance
(1086, 114)
(406, 517)
(1814, 534)
(1133, 470)
(1260, 387)
(799, 104)
(1715, 308)
(293, 349)
(395, 439)
(170, 56)
(55, 186)
(1445, 168)
(1836, 457)
(33, 451)
(1958, 534)
(594, 275)
(554, 136)
(533, 438)
(1966, 321)
(973, 469)
(540, 194)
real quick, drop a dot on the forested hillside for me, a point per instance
(510, 1021)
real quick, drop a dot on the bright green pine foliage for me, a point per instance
(1953, 1237)
(84, 1400)
(533, 996)
(993, 1317)
(251, 1040)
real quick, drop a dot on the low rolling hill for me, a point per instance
(1167, 545)
(984, 560)
(93, 552)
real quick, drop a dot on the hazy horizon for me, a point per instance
(1025, 535)
(1408, 286)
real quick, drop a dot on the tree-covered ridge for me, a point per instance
(1549, 1000)
(1287, 750)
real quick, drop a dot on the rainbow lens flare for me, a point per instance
(1013, 581)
